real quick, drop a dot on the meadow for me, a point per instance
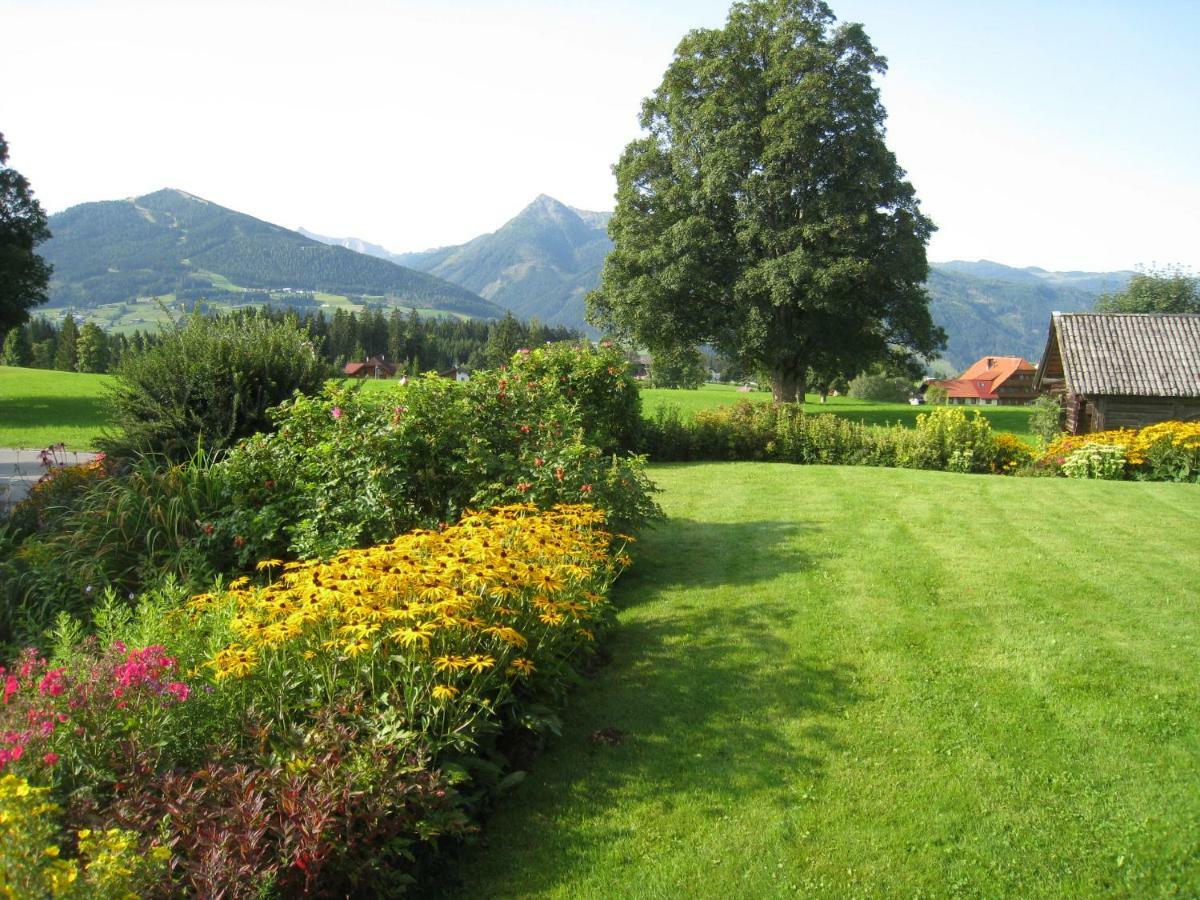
(39, 407)
(1014, 419)
(843, 681)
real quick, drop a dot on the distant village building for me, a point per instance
(992, 381)
(375, 367)
(456, 374)
(1122, 370)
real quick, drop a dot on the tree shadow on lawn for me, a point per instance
(691, 553)
(53, 412)
(700, 712)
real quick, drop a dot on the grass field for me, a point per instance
(1003, 418)
(865, 682)
(40, 407)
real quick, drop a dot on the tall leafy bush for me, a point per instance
(208, 382)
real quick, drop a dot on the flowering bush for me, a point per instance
(436, 629)
(1011, 454)
(350, 468)
(1165, 451)
(82, 720)
(595, 379)
(1105, 461)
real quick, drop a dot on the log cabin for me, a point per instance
(1122, 370)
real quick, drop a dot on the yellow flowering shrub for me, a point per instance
(436, 625)
(110, 863)
(1010, 453)
(1165, 451)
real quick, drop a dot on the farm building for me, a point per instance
(992, 381)
(457, 373)
(375, 367)
(1122, 370)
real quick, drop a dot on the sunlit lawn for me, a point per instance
(40, 407)
(866, 682)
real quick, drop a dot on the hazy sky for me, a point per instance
(1064, 134)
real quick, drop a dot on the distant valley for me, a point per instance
(110, 256)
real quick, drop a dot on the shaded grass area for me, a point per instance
(839, 681)
(1014, 419)
(39, 407)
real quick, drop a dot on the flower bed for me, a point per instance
(317, 733)
(1165, 451)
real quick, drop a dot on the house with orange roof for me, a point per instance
(993, 381)
(375, 367)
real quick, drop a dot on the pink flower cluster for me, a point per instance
(147, 668)
(37, 699)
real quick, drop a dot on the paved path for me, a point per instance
(20, 470)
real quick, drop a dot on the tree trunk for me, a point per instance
(787, 381)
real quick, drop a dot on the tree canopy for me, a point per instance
(24, 275)
(762, 212)
(1169, 290)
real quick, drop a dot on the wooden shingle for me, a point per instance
(1130, 354)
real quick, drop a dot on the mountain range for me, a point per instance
(173, 243)
(544, 261)
(540, 264)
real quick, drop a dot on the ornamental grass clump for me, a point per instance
(436, 630)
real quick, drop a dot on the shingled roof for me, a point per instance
(1132, 354)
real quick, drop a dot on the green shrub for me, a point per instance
(956, 442)
(881, 388)
(1047, 418)
(207, 383)
(349, 467)
(595, 378)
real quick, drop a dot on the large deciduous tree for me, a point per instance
(762, 212)
(23, 274)
(1169, 290)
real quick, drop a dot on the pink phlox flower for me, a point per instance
(336, 412)
(179, 690)
(50, 759)
(11, 686)
(52, 683)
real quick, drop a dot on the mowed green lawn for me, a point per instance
(40, 407)
(1014, 419)
(866, 682)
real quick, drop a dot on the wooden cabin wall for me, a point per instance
(1105, 413)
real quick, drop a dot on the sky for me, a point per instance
(1064, 135)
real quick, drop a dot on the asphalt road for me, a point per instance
(20, 470)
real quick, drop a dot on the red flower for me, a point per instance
(524, 486)
(587, 489)
(539, 462)
(50, 759)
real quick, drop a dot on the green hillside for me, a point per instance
(988, 308)
(539, 264)
(173, 243)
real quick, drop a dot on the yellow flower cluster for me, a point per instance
(1134, 442)
(110, 863)
(439, 607)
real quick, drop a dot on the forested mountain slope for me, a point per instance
(171, 242)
